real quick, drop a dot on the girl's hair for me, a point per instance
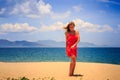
(67, 27)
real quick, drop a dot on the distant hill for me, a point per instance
(51, 43)
(42, 43)
(6, 43)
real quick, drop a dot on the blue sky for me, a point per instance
(96, 20)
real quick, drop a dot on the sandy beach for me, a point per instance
(59, 71)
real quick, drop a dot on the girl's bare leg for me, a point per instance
(72, 65)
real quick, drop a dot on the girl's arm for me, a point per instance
(77, 40)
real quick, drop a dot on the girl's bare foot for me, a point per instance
(70, 74)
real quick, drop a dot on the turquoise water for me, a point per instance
(98, 55)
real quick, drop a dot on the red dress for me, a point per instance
(71, 39)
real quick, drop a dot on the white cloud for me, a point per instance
(56, 26)
(6, 28)
(37, 9)
(60, 16)
(77, 8)
(89, 27)
(26, 28)
(23, 8)
(43, 8)
(2, 10)
(111, 1)
(80, 25)
(33, 16)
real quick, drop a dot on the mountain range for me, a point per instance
(42, 43)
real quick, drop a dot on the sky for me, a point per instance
(98, 21)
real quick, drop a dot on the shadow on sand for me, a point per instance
(77, 75)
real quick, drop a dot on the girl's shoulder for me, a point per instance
(76, 31)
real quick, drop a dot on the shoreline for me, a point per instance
(59, 70)
(56, 62)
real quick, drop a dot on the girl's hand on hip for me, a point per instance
(72, 46)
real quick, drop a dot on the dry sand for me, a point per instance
(59, 70)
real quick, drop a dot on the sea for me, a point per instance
(48, 54)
